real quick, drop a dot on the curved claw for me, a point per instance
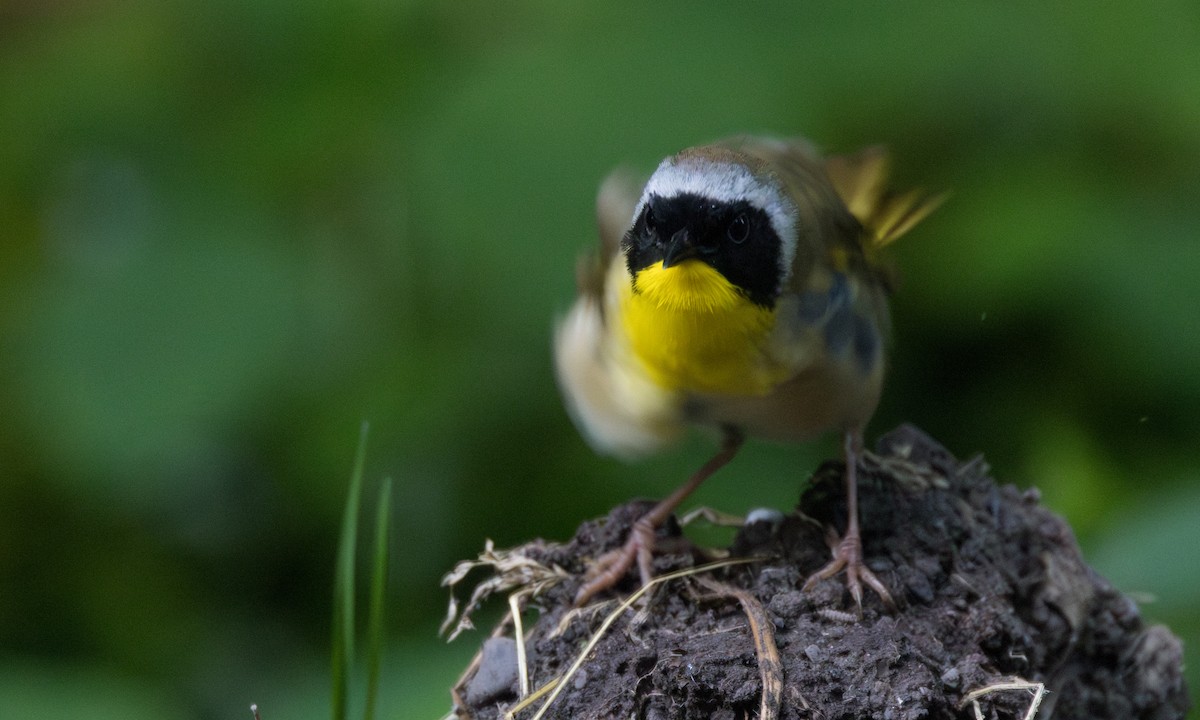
(847, 555)
(610, 567)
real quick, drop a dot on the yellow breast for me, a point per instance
(694, 331)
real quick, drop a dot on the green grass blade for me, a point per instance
(379, 576)
(343, 588)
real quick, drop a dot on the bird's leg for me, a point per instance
(847, 552)
(610, 567)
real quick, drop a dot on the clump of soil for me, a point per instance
(990, 586)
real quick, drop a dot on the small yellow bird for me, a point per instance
(739, 290)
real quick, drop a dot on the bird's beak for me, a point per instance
(680, 248)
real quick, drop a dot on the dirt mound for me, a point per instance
(997, 611)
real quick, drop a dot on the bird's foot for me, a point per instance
(847, 555)
(609, 568)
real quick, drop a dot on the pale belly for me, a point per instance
(818, 399)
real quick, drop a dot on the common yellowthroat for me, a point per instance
(739, 290)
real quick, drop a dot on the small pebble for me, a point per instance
(497, 673)
(770, 516)
(787, 604)
(950, 678)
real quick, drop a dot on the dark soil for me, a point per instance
(990, 586)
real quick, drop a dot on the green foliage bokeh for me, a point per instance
(230, 232)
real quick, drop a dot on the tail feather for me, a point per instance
(861, 182)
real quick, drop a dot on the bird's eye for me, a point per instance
(739, 229)
(650, 220)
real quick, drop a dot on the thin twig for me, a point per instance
(770, 666)
(514, 608)
(1038, 689)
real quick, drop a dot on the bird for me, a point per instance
(740, 289)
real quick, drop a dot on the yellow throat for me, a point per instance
(695, 331)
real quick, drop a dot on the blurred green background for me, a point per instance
(231, 231)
